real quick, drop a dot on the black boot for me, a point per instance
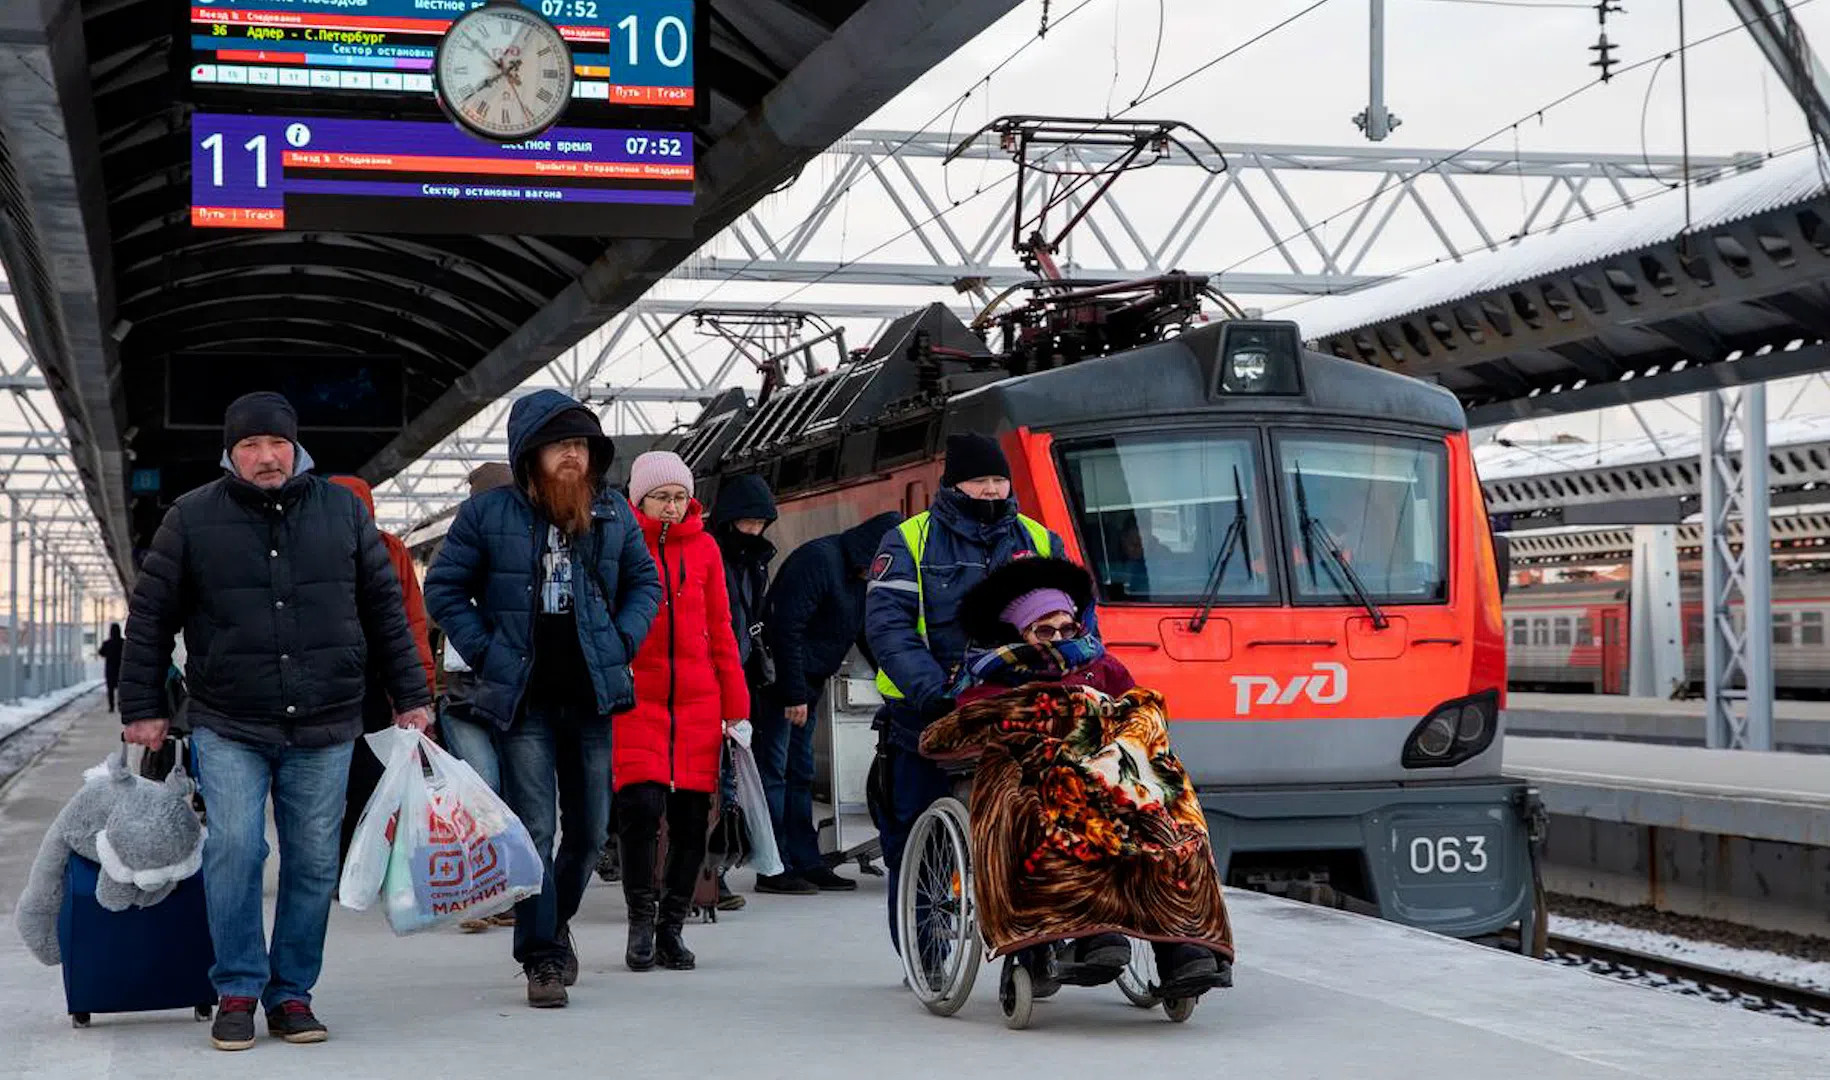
(669, 948)
(638, 857)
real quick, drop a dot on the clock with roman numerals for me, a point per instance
(503, 72)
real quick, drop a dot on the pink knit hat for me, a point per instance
(657, 468)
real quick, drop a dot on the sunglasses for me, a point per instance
(1056, 631)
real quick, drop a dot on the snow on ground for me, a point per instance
(14, 717)
(1777, 967)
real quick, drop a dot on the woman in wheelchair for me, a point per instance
(1106, 828)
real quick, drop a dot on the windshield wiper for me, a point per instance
(1310, 529)
(1234, 539)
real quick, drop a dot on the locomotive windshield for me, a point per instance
(1183, 519)
(1380, 501)
(1155, 515)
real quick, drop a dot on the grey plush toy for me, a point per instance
(143, 833)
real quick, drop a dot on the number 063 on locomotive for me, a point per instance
(1291, 546)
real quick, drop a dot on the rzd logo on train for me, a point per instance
(1326, 685)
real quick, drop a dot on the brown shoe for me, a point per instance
(507, 918)
(474, 926)
(546, 988)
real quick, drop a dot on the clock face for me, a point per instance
(503, 72)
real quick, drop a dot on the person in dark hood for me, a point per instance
(814, 615)
(110, 652)
(546, 590)
(283, 589)
(742, 513)
(911, 620)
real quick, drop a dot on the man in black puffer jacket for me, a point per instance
(813, 616)
(282, 587)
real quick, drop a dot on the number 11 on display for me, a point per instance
(257, 146)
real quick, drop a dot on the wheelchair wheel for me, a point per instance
(1138, 979)
(1016, 994)
(935, 922)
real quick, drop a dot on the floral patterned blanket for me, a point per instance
(1083, 820)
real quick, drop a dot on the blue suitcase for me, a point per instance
(138, 960)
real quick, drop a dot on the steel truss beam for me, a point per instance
(1170, 216)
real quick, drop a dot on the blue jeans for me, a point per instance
(914, 783)
(557, 757)
(308, 788)
(784, 757)
(473, 743)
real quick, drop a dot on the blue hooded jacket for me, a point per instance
(484, 588)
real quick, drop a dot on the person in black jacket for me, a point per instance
(110, 652)
(743, 511)
(813, 617)
(282, 587)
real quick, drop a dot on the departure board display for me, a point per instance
(626, 54)
(296, 172)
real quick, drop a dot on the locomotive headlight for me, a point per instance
(1259, 358)
(1453, 732)
(1437, 736)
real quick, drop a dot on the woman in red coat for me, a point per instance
(689, 687)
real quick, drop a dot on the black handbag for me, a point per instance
(761, 658)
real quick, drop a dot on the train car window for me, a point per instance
(1810, 628)
(1782, 628)
(1381, 501)
(1161, 518)
(1540, 631)
(1585, 634)
(1559, 631)
(1520, 632)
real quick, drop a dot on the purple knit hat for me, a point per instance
(1036, 604)
(657, 468)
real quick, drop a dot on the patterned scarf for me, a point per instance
(1017, 665)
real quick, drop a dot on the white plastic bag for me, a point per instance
(454, 849)
(755, 806)
(366, 865)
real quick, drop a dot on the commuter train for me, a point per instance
(1572, 636)
(1293, 547)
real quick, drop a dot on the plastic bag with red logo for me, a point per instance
(455, 850)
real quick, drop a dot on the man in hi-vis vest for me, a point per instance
(911, 621)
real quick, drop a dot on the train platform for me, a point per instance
(808, 988)
(1802, 726)
(1761, 796)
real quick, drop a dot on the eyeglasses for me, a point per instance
(1055, 631)
(678, 498)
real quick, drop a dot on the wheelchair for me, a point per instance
(938, 932)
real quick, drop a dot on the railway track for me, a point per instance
(1665, 973)
(19, 746)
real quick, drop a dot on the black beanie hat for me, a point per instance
(970, 456)
(260, 413)
(573, 423)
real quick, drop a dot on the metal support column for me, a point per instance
(32, 678)
(1737, 652)
(14, 635)
(1377, 121)
(1655, 638)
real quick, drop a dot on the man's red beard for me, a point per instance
(565, 500)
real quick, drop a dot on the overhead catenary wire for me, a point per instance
(1432, 166)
